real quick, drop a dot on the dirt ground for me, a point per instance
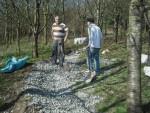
(11, 92)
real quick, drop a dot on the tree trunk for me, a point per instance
(148, 62)
(121, 32)
(125, 27)
(116, 27)
(12, 36)
(45, 24)
(105, 24)
(98, 12)
(116, 20)
(134, 58)
(83, 26)
(6, 26)
(18, 38)
(36, 28)
(36, 53)
(5, 34)
(63, 9)
(102, 8)
(148, 16)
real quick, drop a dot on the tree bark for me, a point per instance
(148, 62)
(63, 9)
(35, 52)
(18, 37)
(105, 25)
(134, 57)
(148, 24)
(102, 9)
(5, 33)
(45, 24)
(116, 20)
(36, 28)
(98, 12)
(116, 27)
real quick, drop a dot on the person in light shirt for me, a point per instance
(93, 49)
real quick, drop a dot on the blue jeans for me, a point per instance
(93, 60)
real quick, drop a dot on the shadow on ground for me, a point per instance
(10, 88)
(105, 109)
(42, 92)
(73, 88)
(146, 107)
(105, 68)
(118, 67)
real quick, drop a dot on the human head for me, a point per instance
(57, 19)
(90, 20)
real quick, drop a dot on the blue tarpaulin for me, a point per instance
(14, 64)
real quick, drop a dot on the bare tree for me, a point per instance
(36, 27)
(63, 9)
(16, 10)
(45, 11)
(134, 56)
(116, 19)
(147, 19)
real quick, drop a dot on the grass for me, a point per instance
(113, 92)
(7, 81)
(26, 50)
(112, 89)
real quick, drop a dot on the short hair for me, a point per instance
(90, 20)
(56, 16)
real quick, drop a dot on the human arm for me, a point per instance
(88, 38)
(66, 34)
(52, 33)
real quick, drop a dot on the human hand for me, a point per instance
(85, 48)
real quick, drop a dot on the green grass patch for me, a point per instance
(1, 101)
(121, 108)
(113, 89)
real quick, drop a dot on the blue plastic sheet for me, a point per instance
(14, 64)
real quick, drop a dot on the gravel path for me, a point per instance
(50, 88)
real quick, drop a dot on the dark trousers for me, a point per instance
(55, 45)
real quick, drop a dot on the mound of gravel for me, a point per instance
(50, 88)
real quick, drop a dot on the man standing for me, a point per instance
(93, 48)
(59, 36)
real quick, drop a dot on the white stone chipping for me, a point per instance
(50, 89)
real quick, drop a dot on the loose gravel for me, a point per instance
(50, 88)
